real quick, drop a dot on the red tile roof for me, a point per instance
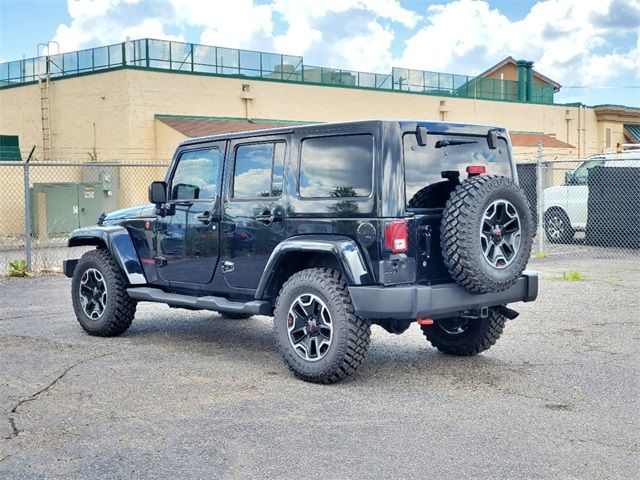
(532, 139)
(203, 126)
(199, 127)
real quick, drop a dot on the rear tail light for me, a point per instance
(396, 236)
(476, 169)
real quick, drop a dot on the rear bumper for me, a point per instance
(436, 301)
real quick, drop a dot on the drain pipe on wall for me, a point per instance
(247, 96)
(579, 131)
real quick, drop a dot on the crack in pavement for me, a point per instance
(50, 314)
(14, 428)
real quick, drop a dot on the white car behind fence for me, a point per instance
(567, 207)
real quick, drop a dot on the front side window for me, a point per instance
(338, 166)
(258, 170)
(196, 176)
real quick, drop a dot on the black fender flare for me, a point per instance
(343, 248)
(118, 241)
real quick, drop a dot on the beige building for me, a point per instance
(134, 102)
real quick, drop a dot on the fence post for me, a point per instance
(27, 212)
(539, 198)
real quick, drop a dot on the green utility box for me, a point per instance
(58, 208)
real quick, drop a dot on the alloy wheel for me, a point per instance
(309, 327)
(93, 293)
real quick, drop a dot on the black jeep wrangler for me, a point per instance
(328, 228)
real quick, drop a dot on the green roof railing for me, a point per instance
(204, 59)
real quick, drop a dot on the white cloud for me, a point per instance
(564, 37)
(370, 49)
(149, 28)
(102, 22)
(237, 24)
(304, 16)
(571, 41)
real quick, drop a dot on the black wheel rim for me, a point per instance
(309, 327)
(93, 293)
(500, 234)
(454, 326)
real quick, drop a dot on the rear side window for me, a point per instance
(336, 166)
(423, 165)
(258, 170)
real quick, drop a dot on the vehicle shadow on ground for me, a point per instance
(252, 343)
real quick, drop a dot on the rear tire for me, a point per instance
(100, 300)
(465, 337)
(321, 338)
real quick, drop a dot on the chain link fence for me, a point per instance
(588, 208)
(43, 202)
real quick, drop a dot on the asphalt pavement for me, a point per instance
(194, 395)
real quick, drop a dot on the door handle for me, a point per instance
(205, 217)
(265, 217)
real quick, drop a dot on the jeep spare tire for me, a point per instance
(486, 233)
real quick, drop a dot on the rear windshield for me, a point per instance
(423, 166)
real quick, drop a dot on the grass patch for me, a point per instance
(18, 268)
(572, 276)
(540, 255)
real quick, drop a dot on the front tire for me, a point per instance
(100, 300)
(321, 338)
(464, 337)
(557, 226)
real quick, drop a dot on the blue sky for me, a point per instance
(591, 47)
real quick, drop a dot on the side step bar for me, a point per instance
(217, 304)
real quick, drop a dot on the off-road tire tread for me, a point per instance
(353, 351)
(124, 308)
(457, 232)
(487, 335)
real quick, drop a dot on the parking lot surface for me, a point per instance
(193, 395)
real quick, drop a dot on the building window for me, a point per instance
(10, 148)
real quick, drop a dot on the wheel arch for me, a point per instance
(118, 242)
(312, 251)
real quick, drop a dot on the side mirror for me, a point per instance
(158, 193)
(569, 178)
(421, 136)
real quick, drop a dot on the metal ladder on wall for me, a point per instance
(44, 80)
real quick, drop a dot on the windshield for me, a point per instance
(581, 174)
(423, 166)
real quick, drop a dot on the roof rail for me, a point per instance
(630, 146)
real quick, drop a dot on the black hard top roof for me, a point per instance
(431, 126)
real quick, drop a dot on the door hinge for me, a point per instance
(227, 266)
